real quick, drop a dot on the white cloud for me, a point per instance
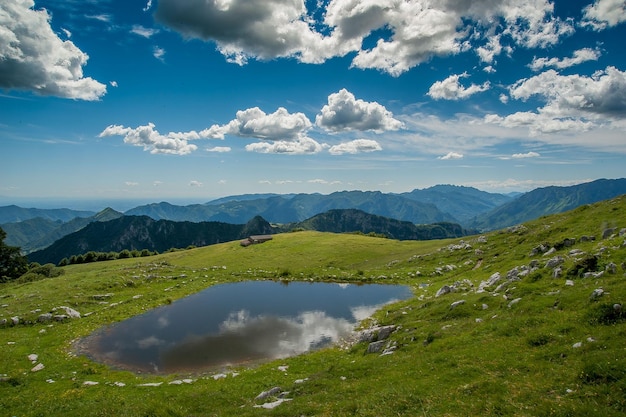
(33, 57)
(148, 6)
(131, 184)
(323, 182)
(408, 32)
(255, 123)
(451, 155)
(219, 149)
(580, 56)
(300, 146)
(344, 112)
(158, 53)
(604, 13)
(143, 31)
(601, 95)
(105, 18)
(451, 88)
(113, 83)
(525, 155)
(355, 146)
(176, 143)
(67, 33)
(194, 183)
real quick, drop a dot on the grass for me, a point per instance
(556, 352)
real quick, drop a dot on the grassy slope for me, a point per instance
(518, 360)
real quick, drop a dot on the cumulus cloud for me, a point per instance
(345, 112)
(451, 155)
(451, 88)
(604, 13)
(602, 94)
(300, 146)
(525, 155)
(219, 149)
(404, 33)
(150, 139)
(573, 103)
(579, 56)
(255, 123)
(195, 183)
(34, 58)
(355, 146)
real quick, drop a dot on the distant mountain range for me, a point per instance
(549, 200)
(143, 232)
(465, 207)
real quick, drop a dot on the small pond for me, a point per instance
(238, 324)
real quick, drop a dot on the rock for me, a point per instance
(384, 332)
(33, 357)
(485, 306)
(587, 238)
(101, 297)
(70, 312)
(607, 233)
(272, 392)
(577, 345)
(557, 272)
(617, 307)
(44, 318)
(375, 347)
(273, 404)
(446, 289)
(569, 283)
(15, 320)
(550, 252)
(493, 279)
(611, 268)
(456, 304)
(90, 383)
(554, 262)
(37, 367)
(597, 293)
(513, 302)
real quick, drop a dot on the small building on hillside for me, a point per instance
(251, 240)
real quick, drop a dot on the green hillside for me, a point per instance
(526, 321)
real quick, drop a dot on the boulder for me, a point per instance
(456, 304)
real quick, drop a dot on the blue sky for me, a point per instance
(194, 99)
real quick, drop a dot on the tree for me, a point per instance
(12, 263)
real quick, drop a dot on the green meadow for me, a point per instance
(539, 341)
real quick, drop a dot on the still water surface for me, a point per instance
(238, 323)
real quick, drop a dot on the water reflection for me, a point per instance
(238, 323)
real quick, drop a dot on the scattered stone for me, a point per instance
(375, 347)
(557, 272)
(611, 268)
(577, 345)
(554, 262)
(119, 384)
(151, 384)
(37, 367)
(569, 283)
(478, 320)
(283, 368)
(456, 304)
(50, 381)
(33, 357)
(219, 376)
(576, 252)
(607, 233)
(44, 318)
(273, 404)
(587, 238)
(617, 307)
(90, 383)
(591, 339)
(182, 381)
(493, 279)
(272, 392)
(389, 350)
(485, 306)
(597, 293)
(513, 302)
(70, 312)
(550, 252)
(300, 381)
(15, 320)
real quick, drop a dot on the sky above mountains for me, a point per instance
(196, 99)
